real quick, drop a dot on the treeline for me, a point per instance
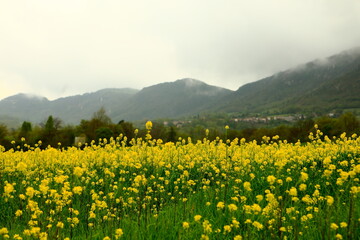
(52, 132)
(331, 127)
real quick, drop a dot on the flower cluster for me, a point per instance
(147, 189)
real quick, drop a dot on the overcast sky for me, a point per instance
(60, 48)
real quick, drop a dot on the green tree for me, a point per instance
(98, 120)
(102, 117)
(49, 132)
(172, 135)
(25, 130)
(348, 123)
(158, 131)
(4, 141)
(327, 126)
(103, 133)
(125, 128)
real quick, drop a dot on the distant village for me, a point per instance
(285, 118)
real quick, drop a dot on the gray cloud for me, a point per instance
(59, 48)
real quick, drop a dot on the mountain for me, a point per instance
(171, 100)
(74, 108)
(320, 85)
(10, 122)
(24, 106)
(70, 109)
(165, 100)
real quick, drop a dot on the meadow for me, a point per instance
(147, 189)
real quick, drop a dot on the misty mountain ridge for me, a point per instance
(282, 92)
(169, 99)
(317, 86)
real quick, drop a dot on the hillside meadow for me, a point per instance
(147, 189)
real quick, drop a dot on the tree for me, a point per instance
(327, 125)
(66, 136)
(26, 127)
(101, 116)
(348, 123)
(48, 136)
(89, 128)
(49, 125)
(171, 136)
(125, 128)
(158, 131)
(25, 131)
(103, 133)
(3, 137)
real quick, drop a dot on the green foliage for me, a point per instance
(125, 128)
(52, 132)
(4, 136)
(103, 133)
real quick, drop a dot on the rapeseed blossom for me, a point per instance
(206, 189)
(185, 225)
(118, 233)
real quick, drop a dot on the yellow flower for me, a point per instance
(343, 224)
(185, 225)
(304, 176)
(8, 189)
(207, 226)
(248, 221)
(232, 207)
(148, 125)
(271, 179)
(235, 223)
(238, 237)
(259, 198)
(258, 225)
(60, 225)
(3, 231)
(247, 186)
(78, 171)
(197, 218)
(18, 213)
(17, 237)
(220, 205)
(92, 215)
(204, 237)
(334, 226)
(35, 231)
(77, 190)
(329, 200)
(327, 161)
(302, 187)
(293, 192)
(354, 190)
(43, 236)
(338, 236)
(118, 233)
(227, 228)
(30, 191)
(21, 166)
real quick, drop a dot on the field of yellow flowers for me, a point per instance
(147, 189)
